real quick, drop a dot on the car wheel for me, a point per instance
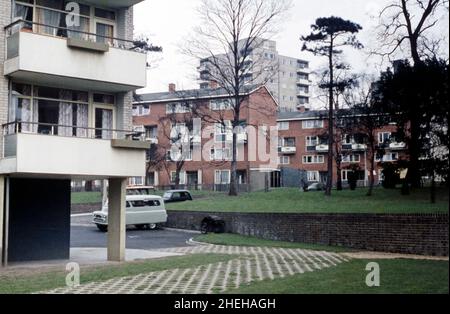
(102, 228)
(152, 226)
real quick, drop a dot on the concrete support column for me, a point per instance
(2, 215)
(116, 220)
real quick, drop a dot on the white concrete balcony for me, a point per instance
(304, 82)
(322, 148)
(302, 93)
(304, 70)
(359, 147)
(287, 150)
(152, 140)
(83, 61)
(90, 156)
(397, 146)
(113, 4)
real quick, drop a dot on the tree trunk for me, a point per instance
(331, 124)
(413, 171)
(233, 180)
(88, 186)
(433, 188)
(371, 175)
(339, 186)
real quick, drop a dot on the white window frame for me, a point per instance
(313, 124)
(222, 104)
(183, 177)
(315, 159)
(313, 176)
(351, 159)
(283, 126)
(390, 159)
(381, 139)
(221, 172)
(310, 141)
(284, 160)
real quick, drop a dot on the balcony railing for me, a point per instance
(69, 33)
(68, 131)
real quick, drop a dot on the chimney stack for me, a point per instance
(172, 88)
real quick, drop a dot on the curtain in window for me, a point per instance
(48, 17)
(27, 115)
(107, 124)
(106, 33)
(83, 27)
(65, 119)
(35, 115)
(82, 120)
(12, 113)
(21, 13)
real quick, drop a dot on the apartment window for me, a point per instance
(222, 177)
(313, 176)
(303, 100)
(223, 132)
(283, 126)
(50, 16)
(136, 181)
(141, 110)
(313, 159)
(221, 154)
(151, 132)
(286, 142)
(303, 89)
(222, 104)
(105, 14)
(388, 157)
(104, 99)
(284, 160)
(174, 108)
(384, 137)
(173, 177)
(313, 124)
(48, 110)
(303, 76)
(312, 141)
(351, 158)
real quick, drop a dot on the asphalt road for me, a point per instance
(86, 235)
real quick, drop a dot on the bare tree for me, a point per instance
(406, 25)
(328, 37)
(228, 41)
(366, 118)
(177, 142)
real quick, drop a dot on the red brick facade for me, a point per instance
(258, 109)
(299, 149)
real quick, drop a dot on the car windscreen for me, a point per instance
(167, 195)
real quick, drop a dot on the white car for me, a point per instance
(142, 211)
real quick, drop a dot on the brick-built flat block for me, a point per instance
(116, 220)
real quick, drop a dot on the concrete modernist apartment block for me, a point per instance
(66, 114)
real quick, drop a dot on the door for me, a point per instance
(104, 123)
(192, 179)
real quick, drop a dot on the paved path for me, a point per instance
(251, 264)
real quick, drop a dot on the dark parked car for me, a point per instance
(177, 196)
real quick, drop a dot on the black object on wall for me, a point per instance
(39, 220)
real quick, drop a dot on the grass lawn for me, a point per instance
(13, 282)
(237, 240)
(295, 201)
(86, 197)
(399, 276)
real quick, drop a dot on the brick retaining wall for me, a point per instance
(86, 208)
(423, 234)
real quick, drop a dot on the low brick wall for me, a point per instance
(423, 234)
(85, 208)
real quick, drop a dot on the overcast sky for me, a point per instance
(167, 22)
